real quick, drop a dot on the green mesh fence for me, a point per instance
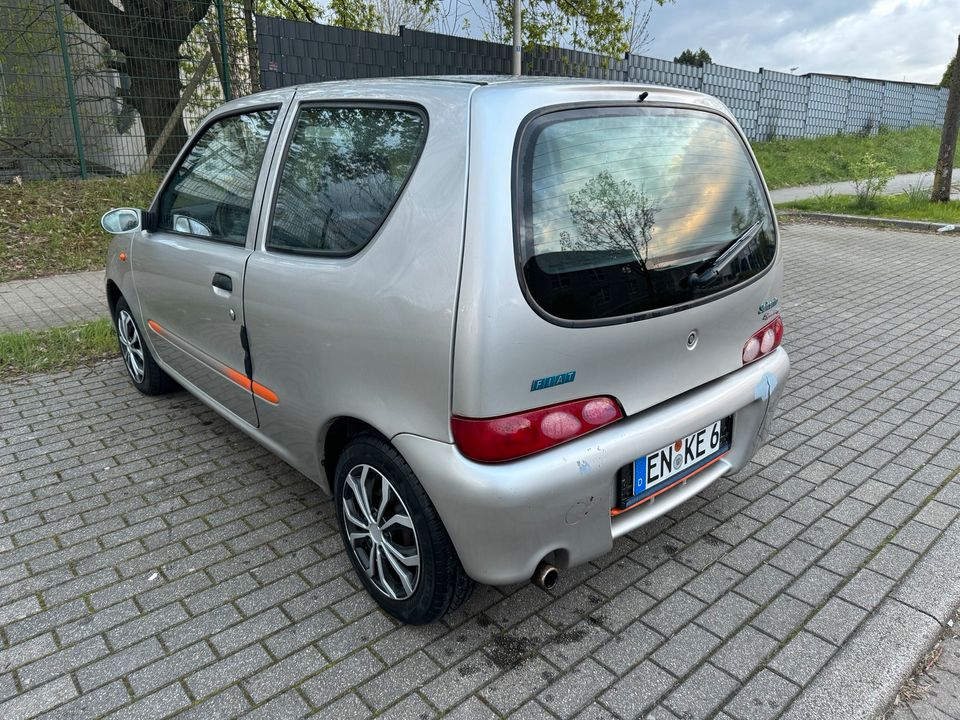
(94, 87)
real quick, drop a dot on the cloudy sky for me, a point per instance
(886, 39)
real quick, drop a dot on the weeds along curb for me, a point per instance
(867, 221)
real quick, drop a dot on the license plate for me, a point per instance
(680, 458)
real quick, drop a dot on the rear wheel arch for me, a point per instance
(336, 437)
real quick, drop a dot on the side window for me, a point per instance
(212, 191)
(343, 172)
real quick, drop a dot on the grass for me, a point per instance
(808, 161)
(901, 207)
(53, 226)
(33, 351)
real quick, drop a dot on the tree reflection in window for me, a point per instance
(612, 216)
(743, 219)
(343, 172)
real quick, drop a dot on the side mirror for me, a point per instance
(122, 220)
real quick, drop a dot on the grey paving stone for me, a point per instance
(673, 613)
(512, 688)
(570, 692)
(39, 699)
(341, 676)
(744, 653)
(360, 632)
(408, 675)
(118, 664)
(893, 561)
(814, 586)
(160, 704)
(684, 650)
(348, 707)
(288, 705)
(802, 658)
(638, 690)
(467, 710)
(702, 693)
(713, 582)
(532, 710)
(567, 647)
(765, 696)
(229, 670)
(97, 703)
(836, 620)
(763, 583)
(227, 704)
(727, 615)
(866, 589)
(628, 647)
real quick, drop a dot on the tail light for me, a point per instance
(513, 436)
(764, 341)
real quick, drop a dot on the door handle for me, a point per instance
(223, 282)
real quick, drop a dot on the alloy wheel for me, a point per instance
(380, 532)
(130, 345)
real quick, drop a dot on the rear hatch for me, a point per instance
(593, 231)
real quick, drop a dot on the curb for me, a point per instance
(915, 225)
(864, 677)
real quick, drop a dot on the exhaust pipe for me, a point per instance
(545, 576)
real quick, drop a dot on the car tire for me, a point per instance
(407, 527)
(143, 371)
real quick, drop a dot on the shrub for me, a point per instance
(870, 177)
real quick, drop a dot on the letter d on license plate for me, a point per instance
(680, 458)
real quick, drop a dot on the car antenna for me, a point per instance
(643, 96)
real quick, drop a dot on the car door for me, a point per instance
(189, 271)
(353, 231)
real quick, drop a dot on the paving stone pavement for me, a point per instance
(155, 561)
(52, 301)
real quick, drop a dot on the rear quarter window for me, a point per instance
(619, 207)
(344, 170)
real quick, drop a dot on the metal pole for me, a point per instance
(517, 56)
(71, 94)
(224, 61)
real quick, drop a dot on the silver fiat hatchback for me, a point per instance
(502, 322)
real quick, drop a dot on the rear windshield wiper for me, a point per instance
(712, 270)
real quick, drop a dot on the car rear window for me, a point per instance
(621, 207)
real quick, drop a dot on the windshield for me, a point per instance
(620, 206)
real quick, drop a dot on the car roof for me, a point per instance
(487, 85)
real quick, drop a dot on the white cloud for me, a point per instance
(886, 39)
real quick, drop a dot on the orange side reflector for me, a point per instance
(155, 326)
(123, 256)
(239, 378)
(266, 393)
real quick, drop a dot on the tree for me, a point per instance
(611, 215)
(606, 27)
(149, 33)
(638, 36)
(385, 16)
(947, 74)
(697, 59)
(943, 175)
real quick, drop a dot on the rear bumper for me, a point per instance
(503, 519)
